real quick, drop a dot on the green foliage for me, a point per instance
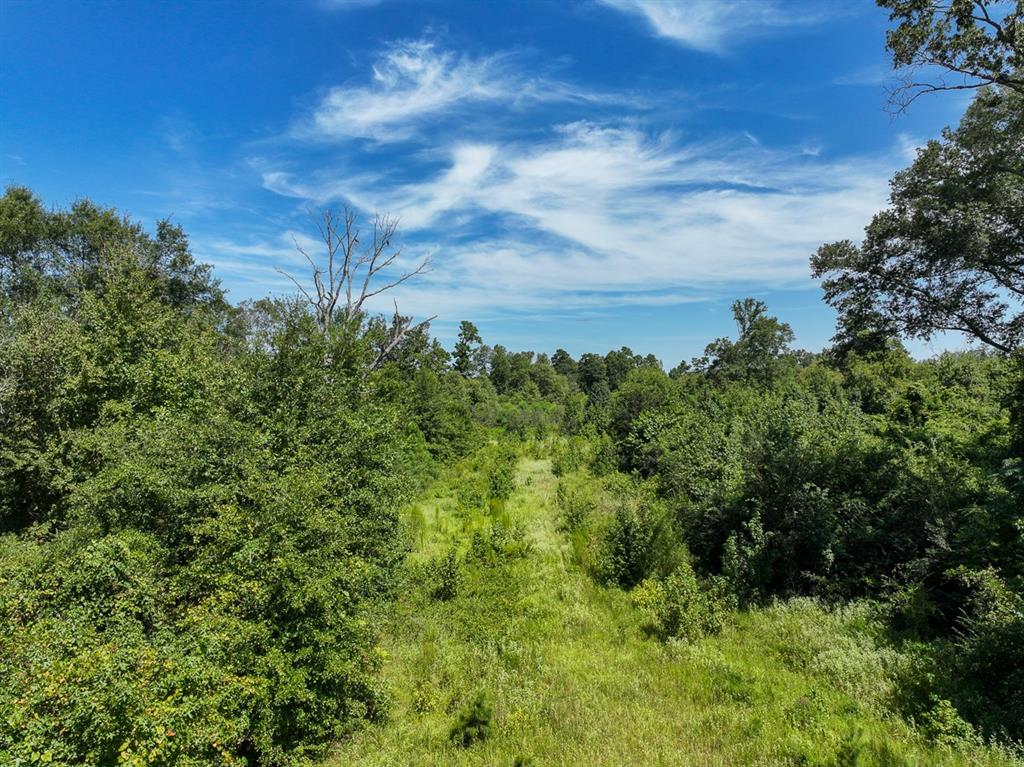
(640, 542)
(501, 473)
(643, 390)
(603, 457)
(501, 541)
(758, 354)
(473, 723)
(942, 724)
(574, 414)
(592, 379)
(447, 576)
(947, 253)
(746, 564)
(576, 501)
(67, 251)
(200, 535)
(679, 607)
(974, 41)
(568, 456)
(201, 524)
(989, 651)
(528, 418)
(442, 407)
(467, 349)
(880, 477)
(580, 682)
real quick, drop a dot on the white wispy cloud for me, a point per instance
(710, 25)
(414, 81)
(598, 214)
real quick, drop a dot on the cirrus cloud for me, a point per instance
(612, 213)
(413, 81)
(709, 25)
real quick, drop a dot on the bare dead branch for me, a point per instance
(352, 274)
(401, 328)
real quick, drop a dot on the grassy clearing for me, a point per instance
(565, 668)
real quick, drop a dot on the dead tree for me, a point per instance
(353, 275)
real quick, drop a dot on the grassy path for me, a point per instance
(573, 680)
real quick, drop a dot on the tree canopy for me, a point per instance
(948, 252)
(973, 43)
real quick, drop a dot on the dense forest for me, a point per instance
(290, 530)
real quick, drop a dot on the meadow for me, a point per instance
(559, 669)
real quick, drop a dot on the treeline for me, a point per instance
(199, 502)
(199, 529)
(767, 473)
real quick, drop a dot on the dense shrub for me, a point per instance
(680, 607)
(501, 472)
(447, 576)
(201, 527)
(577, 501)
(640, 542)
(857, 474)
(568, 456)
(198, 504)
(501, 541)
(941, 723)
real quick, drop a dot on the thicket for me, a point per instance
(853, 476)
(199, 502)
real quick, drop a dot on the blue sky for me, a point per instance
(584, 173)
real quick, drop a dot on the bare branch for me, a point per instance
(352, 273)
(401, 328)
(297, 284)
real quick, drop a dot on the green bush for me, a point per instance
(499, 542)
(447, 575)
(603, 457)
(639, 542)
(942, 724)
(568, 456)
(679, 606)
(473, 723)
(577, 502)
(746, 562)
(501, 473)
(207, 534)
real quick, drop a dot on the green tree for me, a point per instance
(618, 364)
(551, 385)
(501, 372)
(23, 225)
(948, 253)
(564, 364)
(68, 249)
(643, 390)
(756, 355)
(973, 42)
(592, 378)
(466, 353)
